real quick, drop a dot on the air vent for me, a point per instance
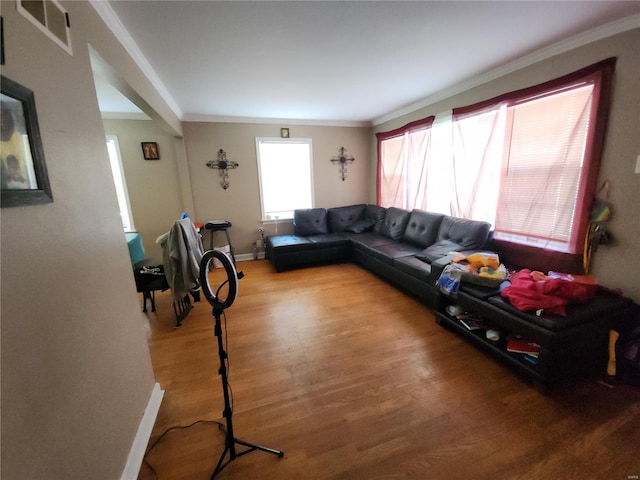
(50, 18)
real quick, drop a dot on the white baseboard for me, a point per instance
(244, 257)
(139, 446)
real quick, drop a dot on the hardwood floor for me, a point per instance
(353, 379)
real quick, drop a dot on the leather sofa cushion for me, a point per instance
(422, 228)
(394, 223)
(414, 267)
(311, 221)
(375, 213)
(594, 311)
(342, 217)
(438, 250)
(469, 234)
(365, 240)
(387, 253)
(329, 240)
(361, 226)
(288, 242)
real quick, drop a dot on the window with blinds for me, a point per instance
(543, 168)
(526, 161)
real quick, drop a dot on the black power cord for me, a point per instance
(221, 426)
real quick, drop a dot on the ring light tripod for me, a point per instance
(219, 305)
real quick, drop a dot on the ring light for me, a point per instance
(232, 279)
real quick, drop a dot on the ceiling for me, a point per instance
(334, 62)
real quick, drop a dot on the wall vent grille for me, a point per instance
(50, 18)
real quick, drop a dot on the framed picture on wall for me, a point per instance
(23, 175)
(1, 41)
(150, 151)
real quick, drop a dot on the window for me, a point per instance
(543, 169)
(120, 183)
(285, 171)
(403, 174)
(526, 162)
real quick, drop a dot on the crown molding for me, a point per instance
(104, 10)
(191, 117)
(563, 46)
(125, 116)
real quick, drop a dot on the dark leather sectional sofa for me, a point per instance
(407, 248)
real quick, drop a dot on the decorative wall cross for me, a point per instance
(343, 159)
(223, 165)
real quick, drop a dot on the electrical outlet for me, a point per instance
(638, 164)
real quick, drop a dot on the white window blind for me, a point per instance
(542, 171)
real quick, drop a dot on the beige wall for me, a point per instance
(615, 266)
(76, 372)
(153, 185)
(240, 203)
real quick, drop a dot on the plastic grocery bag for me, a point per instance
(450, 278)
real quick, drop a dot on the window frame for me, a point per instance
(600, 76)
(404, 131)
(283, 141)
(122, 178)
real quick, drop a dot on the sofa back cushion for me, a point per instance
(310, 221)
(375, 213)
(341, 217)
(394, 223)
(422, 228)
(469, 234)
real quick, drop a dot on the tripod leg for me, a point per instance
(221, 465)
(230, 439)
(253, 446)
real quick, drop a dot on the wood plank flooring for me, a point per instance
(353, 379)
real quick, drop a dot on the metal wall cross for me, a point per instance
(343, 159)
(223, 165)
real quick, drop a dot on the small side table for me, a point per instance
(149, 277)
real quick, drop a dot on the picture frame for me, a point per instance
(23, 174)
(1, 40)
(284, 133)
(150, 150)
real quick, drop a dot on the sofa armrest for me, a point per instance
(438, 266)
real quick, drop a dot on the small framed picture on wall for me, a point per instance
(150, 151)
(23, 175)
